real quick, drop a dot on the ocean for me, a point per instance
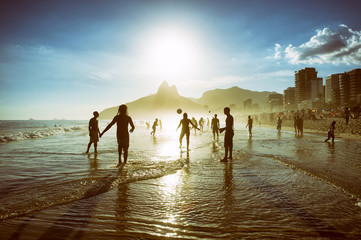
(280, 186)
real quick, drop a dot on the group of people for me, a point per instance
(123, 122)
(298, 124)
(228, 137)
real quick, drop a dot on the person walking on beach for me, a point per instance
(249, 125)
(123, 120)
(279, 124)
(300, 125)
(295, 120)
(215, 127)
(93, 132)
(154, 127)
(194, 121)
(228, 136)
(185, 129)
(331, 132)
(347, 115)
(201, 123)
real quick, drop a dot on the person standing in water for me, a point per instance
(249, 125)
(123, 120)
(228, 136)
(215, 127)
(331, 132)
(195, 124)
(185, 129)
(93, 132)
(154, 127)
(279, 124)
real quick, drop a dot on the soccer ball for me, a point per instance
(179, 111)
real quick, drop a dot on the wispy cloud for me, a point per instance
(102, 76)
(277, 51)
(342, 45)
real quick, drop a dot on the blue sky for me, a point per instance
(65, 59)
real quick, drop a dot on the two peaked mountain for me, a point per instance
(167, 100)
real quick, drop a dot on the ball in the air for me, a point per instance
(179, 111)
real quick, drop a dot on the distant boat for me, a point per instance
(31, 119)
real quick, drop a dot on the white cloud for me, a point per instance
(342, 45)
(102, 76)
(277, 51)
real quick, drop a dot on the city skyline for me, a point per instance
(66, 59)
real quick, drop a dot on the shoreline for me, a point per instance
(348, 136)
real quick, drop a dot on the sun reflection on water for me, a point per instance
(169, 186)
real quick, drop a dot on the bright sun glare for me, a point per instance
(171, 53)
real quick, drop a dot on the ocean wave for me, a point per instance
(38, 133)
(41, 196)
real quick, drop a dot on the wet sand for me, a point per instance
(352, 131)
(278, 186)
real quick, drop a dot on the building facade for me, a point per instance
(289, 101)
(317, 89)
(332, 89)
(275, 102)
(303, 84)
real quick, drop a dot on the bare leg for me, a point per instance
(95, 147)
(125, 155)
(89, 144)
(225, 154)
(187, 136)
(230, 152)
(120, 155)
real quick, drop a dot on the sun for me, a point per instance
(171, 53)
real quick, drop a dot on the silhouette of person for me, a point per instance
(300, 125)
(331, 132)
(249, 125)
(185, 129)
(93, 132)
(295, 120)
(123, 120)
(195, 124)
(154, 127)
(279, 124)
(201, 123)
(347, 115)
(228, 136)
(215, 127)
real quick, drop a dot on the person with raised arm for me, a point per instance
(185, 129)
(123, 120)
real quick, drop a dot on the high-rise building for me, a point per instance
(344, 82)
(289, 98)
(332, 90)
(303, 86)
(275, 101)
(355, 85)
(317, 88)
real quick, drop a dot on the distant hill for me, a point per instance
(219, 98)
(166, 101)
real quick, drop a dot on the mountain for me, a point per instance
(219, 98)
(166, 101)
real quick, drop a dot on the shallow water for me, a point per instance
(276, 186)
